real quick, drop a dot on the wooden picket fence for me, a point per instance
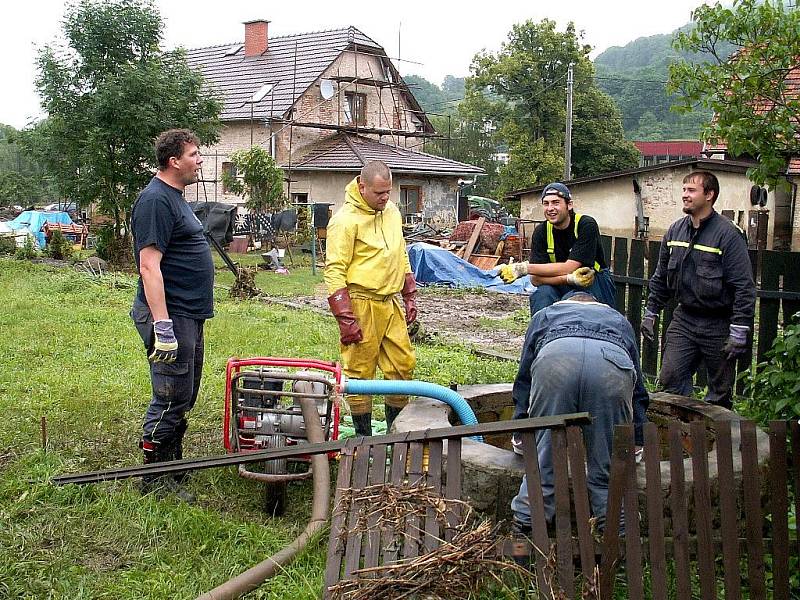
(778, 295)
(710, 537)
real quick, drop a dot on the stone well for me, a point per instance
(491, 472)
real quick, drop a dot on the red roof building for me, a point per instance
(655, 153)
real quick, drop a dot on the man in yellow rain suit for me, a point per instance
(366, 266)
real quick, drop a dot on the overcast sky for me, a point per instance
(441, 36)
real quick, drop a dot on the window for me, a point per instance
(410, 202)
(228, 168)
(355, 109)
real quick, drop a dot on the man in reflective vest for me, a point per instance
(566, 254)
(704, 264)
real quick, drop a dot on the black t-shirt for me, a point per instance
(586, 249)
(162, 218)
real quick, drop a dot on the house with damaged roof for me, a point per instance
(323, 104)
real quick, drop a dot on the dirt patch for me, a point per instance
(479, 319)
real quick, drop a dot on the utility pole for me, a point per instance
(568, 135)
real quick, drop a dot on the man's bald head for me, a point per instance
(373, 169)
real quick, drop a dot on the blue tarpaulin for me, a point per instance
(434, 265)
(34, 220)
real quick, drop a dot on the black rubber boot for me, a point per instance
(162, 484)
(177, 449)
(363, 424)
(391, 415)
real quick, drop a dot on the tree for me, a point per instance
(521, 91)
(22, 180)
(261, 181)
(108, 95)
(753, 93)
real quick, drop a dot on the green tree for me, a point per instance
(261, 181)
(755, 104)
(521, 91)
(108, 94)
(22, 180)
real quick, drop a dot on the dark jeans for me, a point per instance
(691, 339)
(603, 289)
(175, 385)
(574, 375)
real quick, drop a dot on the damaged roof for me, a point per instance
(350, 152)
(235, 78)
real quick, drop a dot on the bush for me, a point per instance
(113, 249)
(27, 251)
(8, 245)
(773, 388)
(59, 246)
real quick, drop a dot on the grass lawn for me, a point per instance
(68, 351)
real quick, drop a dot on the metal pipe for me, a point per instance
(255, 576)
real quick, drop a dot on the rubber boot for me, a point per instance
(363, 424)
(177, 449)
(391, 415)
(162, 484)
(521, 532)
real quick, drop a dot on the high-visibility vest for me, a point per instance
(551, 243)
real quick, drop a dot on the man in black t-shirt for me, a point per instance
(173, 300)
(566, 254)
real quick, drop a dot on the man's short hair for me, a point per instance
(373, 169)
(708, 180)
(171, 143)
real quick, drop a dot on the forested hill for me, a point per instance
(635, 75)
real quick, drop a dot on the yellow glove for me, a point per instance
(513, 271)
(583, 277)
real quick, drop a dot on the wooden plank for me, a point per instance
(791, 283)
(618, 480)
(621, 268)
(541, 541)
(415, 477)
(473, 238)
(377, 476)
(729, 512)
(702, 511)
(452, 488)
(336, 544)
(566, 574)
(680, 519)
(751, 482)
(635, 291)
(352, 556)
(633, 540)
(577, 467)
(795, 429)
(655, 513)
(433, 480)
(605, 244)
(779, 506)
(650, 349)
(485, 262)
(771, 263)
(397, 472)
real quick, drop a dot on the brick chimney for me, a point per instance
(255, 37)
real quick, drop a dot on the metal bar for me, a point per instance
(237, 458)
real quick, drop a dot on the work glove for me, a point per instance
(342, 309)
(736, 344)
(649, 325)
(410, 298)
(165, 348)
(513, 271)
(582, 277)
